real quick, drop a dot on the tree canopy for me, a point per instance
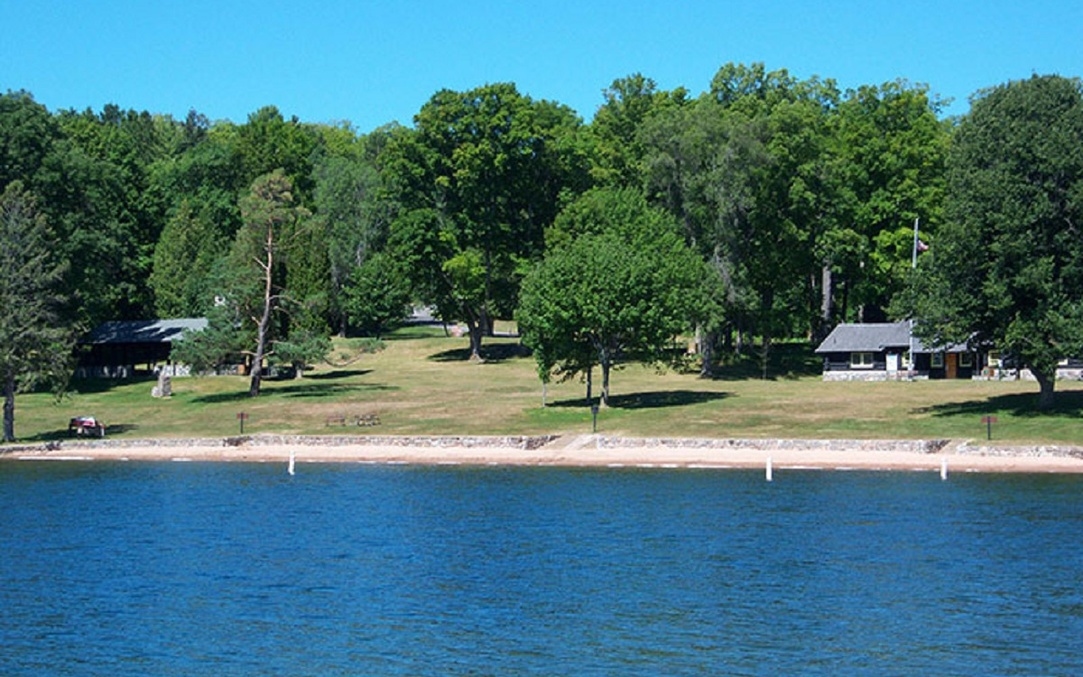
(1006, 269)
(35, 341)
(620, 286)
(797, 197)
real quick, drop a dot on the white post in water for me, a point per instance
(944, 468)
(292, 457)
(770, 475)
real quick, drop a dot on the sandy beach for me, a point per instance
(583, 450)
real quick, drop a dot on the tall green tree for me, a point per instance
(271, 216)
(1006, 268)
(201, 186)
(252, 313)
(618, 149)
(28, 134)
(618, 286)
(886, 168)
(355, 210)
(35, 340)
(478, 179)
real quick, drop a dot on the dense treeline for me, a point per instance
(800, 197)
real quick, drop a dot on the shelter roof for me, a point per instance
(144, 331)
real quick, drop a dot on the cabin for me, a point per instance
(126, 348)
(882, 352)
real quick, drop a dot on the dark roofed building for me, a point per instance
(882, 351)
(121, 348)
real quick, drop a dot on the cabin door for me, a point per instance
(951, 365)
(892, 363)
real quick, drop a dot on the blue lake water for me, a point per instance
(241, 569)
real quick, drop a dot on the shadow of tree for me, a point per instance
(497, 352)
(650, 400)
(64, 435)
(337, 374)
(301, 390)
(1067, 403)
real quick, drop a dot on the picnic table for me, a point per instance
(86, 425)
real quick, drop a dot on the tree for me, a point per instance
(1006, 268)
(618, 148)
(617, 290)
(270, 218)
(478, 178)
(885, 169)
(35, 341)
(355, 212)
(377, 295)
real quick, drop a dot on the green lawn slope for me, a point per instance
(423, 384)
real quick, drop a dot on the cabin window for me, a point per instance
(936, 360)
(966, 360)
(994, 358)
(861, 360)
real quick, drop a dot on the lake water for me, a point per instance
(241, 569)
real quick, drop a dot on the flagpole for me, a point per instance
(913, 266)
(914, 256)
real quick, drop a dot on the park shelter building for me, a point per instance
(125, 348)
(881, 351)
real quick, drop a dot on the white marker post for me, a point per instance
(943, 468)
(770, 474)
(292, 457)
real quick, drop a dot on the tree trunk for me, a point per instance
(605, 381)
(1046, 383)
(706, 341)
(473, 327)
(827, 301)
(264, 320)
(590, 385)
(9, 407)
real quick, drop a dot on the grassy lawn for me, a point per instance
(423, 384)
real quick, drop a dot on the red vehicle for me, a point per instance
(86, 425)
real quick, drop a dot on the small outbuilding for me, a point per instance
(123, 348)
(885, 351)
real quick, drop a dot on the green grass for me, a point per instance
(423, 383)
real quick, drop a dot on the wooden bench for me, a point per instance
(362, 420)
(368, 419)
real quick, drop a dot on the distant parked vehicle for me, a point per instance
(86, 425)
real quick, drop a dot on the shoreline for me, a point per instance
(574, 451)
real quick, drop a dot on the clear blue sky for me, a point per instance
(372, 62)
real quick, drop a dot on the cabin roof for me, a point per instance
(144, 331)
(877, 337)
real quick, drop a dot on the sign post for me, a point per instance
(241, 416)
(988, 421)
(594, 416)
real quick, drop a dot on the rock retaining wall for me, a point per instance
(914, 446)
(534, 442)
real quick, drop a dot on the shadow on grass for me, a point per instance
(1066, 404)
(650, 400)
(497, 352)
(337, 374)
(63, 435)
(300, 390)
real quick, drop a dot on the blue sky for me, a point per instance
(373, 62)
